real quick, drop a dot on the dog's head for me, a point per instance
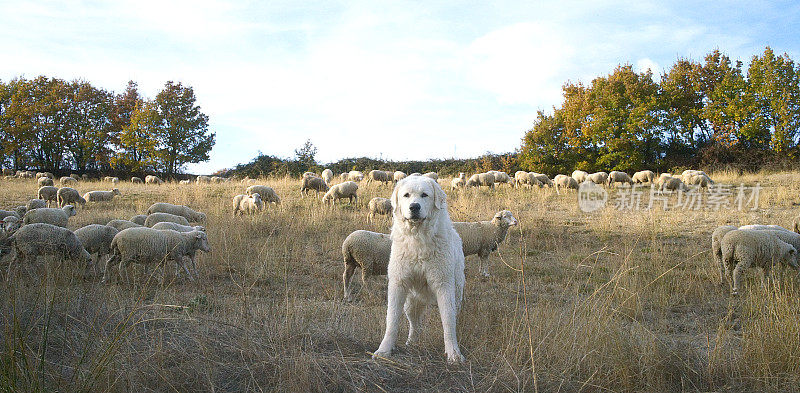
(416, 199)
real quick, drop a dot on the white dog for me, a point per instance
(426, 265)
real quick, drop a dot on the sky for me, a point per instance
(395, 80)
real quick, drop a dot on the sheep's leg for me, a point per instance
(396, 299)
(346, 277)
(484, 265)
(413, 309)
(115, 259)
(720, 265)
(737, 277)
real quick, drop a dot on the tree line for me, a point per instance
(57, 125)
(709, 114)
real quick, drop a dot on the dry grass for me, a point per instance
(608, 301)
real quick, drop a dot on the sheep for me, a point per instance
(368, 251)
(137, 180)
(85, 176)
(34, 204)
(247, 204)
(101, 196)
(185, 181)
(267, 193)
(432, 175)
(203, 179)
(459, 182)
(566, 182)
(155, 218)
(579, 176)
(398, 175)
(378, 176)
(152, 246)
(502, 178)
(381, 206)
(716, 247)
(44, 174)
(8, 213)
(139, 219)
(415, 174)
(309, 174)
(533, 180)
(151, 179)
(178, 227)
(69, 196)
(114, 180)
(67, 181)
(53, 216)
(756, 227)
(598, 177)
(217, 179)
(48, 194)
(21, 210)
(38, 239)
(123, 224)
(317, 184)
(542, 178)
(483, 237)
(355, 176)
(348, 189)
(96, 239)
(520, 178)
(618, 177)
(343, 176)
(45, 181)
(11, 224)
(645, 176)
(480, 179)
(670, 184)
(701, 180)
(327, 175)
(742, 249)
(178, 210)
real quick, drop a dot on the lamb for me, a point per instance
(398, 175)
(355, 176)
(368, 251)
(178, 210)
(348, 189)
(432, 175)
(743, 248)
(580, 176)
(459, 182)
(139, 219)
(380, 206)
(137, 180)
(481, 179)
(96, 239)
(313, 183)
(155, 218)
(566, 182)
(178, 227)
(483, 237)
(327, 175)
(716, 247)
(247, 204)
(69, 196)
(67, 181)
(152, 246)
(52, 216)
(598, 177)
(203, 179)
(37, 239)
(150, 179)
(618, 177)
(45, 181)
(101, 196)
(34, 204)
(123, 224)
(267, 193)
(48, 194)
(645, 176)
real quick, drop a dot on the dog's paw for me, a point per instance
(381, 354)
(456, 358)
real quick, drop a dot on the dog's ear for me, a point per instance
(439, 197)
(395, 201)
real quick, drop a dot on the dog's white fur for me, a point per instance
(426, 265)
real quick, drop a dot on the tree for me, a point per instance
(305, 154)
(87, 125)
(182, 133)
(774, 86)
(137, 140)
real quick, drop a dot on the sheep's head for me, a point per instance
(116, 191)
(199, 217)
(70, 210)
(789, 256)
(200, 241)
(504, 218)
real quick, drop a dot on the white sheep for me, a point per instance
(380, 206)
(368, 251)
(520, 178)
(52, 216)
(203, 179)
(45, 174)
(137, 180)
(542, 178)
(11, 224)
(459, 182)
(68, 180)
(598, 177)
(267, 194)
(178, 210)
(154, 247)
(151, 179)
(317, 184)
(618, 177)
(35, 204)
(96, 239)
(101, 196)
(483, 237)
(379, 176)
(139, 219)
(185, 181)
(247, 204)
(48, 194)
(45, 181)
(122, 224)
(700, 179)
(155, 218)
(565, 181)
(37, 239)
(670, 183)
(716, 247)
(327, 175)
(742, 249)
(579, 175)
(398, 175)
(645, 176)
(348, 189)
(481, 179)
(114, 180)
(8, 213)
(355, 176)
(178, 227)
(69, 196)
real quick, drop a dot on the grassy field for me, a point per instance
(607, 301)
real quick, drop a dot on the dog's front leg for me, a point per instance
(394, 309)
(445, 297)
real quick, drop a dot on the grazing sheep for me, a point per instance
(378, 205)
(432, 175)
(307, 174)
(139, 219)
(96, 239)
(618, 177)
(415, 174)
(398, 175)
(645, 176)
(317, 184)
(151, 246)
(34, 204)
(123, 224)
(670, 183)
(520, 178)
(178, 210)
(114, 180)
(203, 179)
(598, 177)
(101, 196)
(67, 181)
(178, 227)
(483, 237)
(185, 181)
(503, 178)
(480, 179)
(11, 224)
(689, 173)
(459, 182)
(45, 181)
(378, 176)
(155, 218)
(756, 227)
(52, 216)
(742, 249)
(327, 175)
(150, 179)
(38, 239)
(716, 247)
(542, 178)
(355, 176)
(247, 204)
(267, 194)
(701, 180)
(348, 189)
(580, 176)
(44, 174)
(566, 182)
(368, 251)
(69, 196)
(48, 194)
(137, 180)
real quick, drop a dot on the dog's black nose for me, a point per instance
(414, 207)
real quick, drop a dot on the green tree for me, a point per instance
(774, 87)
(305, 155)
(137, 140)
(87, 125)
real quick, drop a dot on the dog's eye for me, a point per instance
(406, 195)
(424, 195)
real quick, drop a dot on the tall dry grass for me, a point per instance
(607, 301)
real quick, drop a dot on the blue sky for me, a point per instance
(399, 80)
